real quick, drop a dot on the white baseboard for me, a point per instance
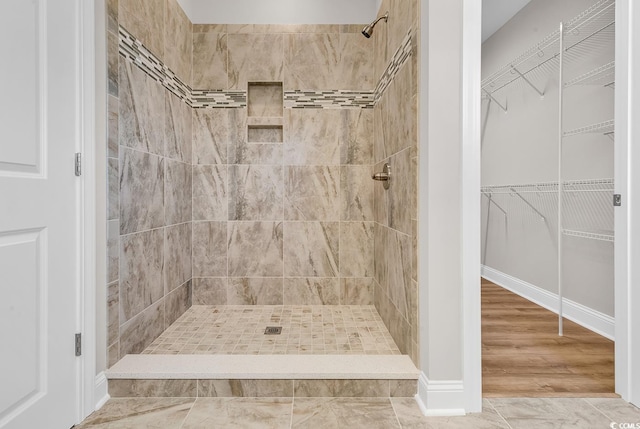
(101, 391)
(440, 398)
(593, 320)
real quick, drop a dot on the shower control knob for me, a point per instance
(384, 177)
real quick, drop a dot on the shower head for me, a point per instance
(368, 30)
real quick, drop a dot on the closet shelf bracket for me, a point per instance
(541, 93)
(490, 198)
(492, 98)
(529, 204)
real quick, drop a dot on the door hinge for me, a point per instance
(617, 200)
(78, 344)
(78, 164)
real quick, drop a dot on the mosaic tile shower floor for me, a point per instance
(306, 329)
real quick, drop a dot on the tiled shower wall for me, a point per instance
(289, 222)
(396, 142)
(149, 179)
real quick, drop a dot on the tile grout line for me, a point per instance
(395, 412)
(598, 409)
(499, 413)
(189, 412)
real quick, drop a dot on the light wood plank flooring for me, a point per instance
(523, 356)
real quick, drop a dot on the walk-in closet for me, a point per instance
(548, 81)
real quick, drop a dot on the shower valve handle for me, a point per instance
(384, 176)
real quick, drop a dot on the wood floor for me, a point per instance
(523, 356)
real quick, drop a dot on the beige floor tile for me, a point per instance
(410, 417)
(140, 413)
(566, 413)
(328, 413)
(618, 410)
(245, 413)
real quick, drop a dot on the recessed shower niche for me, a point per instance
(265, 107)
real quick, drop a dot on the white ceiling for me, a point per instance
(496, 13)
(280, 11)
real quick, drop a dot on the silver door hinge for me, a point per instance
(78, 344)
(617, 200)
(78, 164)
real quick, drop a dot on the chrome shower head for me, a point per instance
(368, 30)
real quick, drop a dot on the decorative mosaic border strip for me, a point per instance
(133, 50)
(335, 99)
(400, 57)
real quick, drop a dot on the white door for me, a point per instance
(39, 270)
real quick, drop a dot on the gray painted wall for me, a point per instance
(521, 146)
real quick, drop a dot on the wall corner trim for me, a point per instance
(589, 318)
(440, 397)
(101, 390)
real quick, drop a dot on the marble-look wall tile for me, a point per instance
(209, 291)
(255, 249)
(141, 191)
(177, 253)
(403, 388)
(313, 137)
(356, 249)
(398, 327)
(255, 192)
(402, 111)
(398, 253)
(113, 59)
(380, 259)
(136, 388)
(246, 388)
(113, 250)
(113, 313)
(141, 123)
(113, 198)
(312, 193)
(412, 313)
(255, 291)
(256, 153)
(210, 60)
(355, 71)
(215, 131)
(312, 61)
(265, 99)
(282, 28)
(178, 41)
(113, 354)
(145, 20)
(209, 28)
(210, 192)
(113, 106)
(404, 13)
(112, 16)
(311, 291)
(398, 197)
(209, 249)
(381, 54)
(178, 129)
(141, 271)
(142, 330)
(357, 144)
(341, 388)
(414, 250)
(176, 303)
(178, 196)
(254, 58)
(357, 193)
(311, 249)
(356, 291)
(381, 129)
